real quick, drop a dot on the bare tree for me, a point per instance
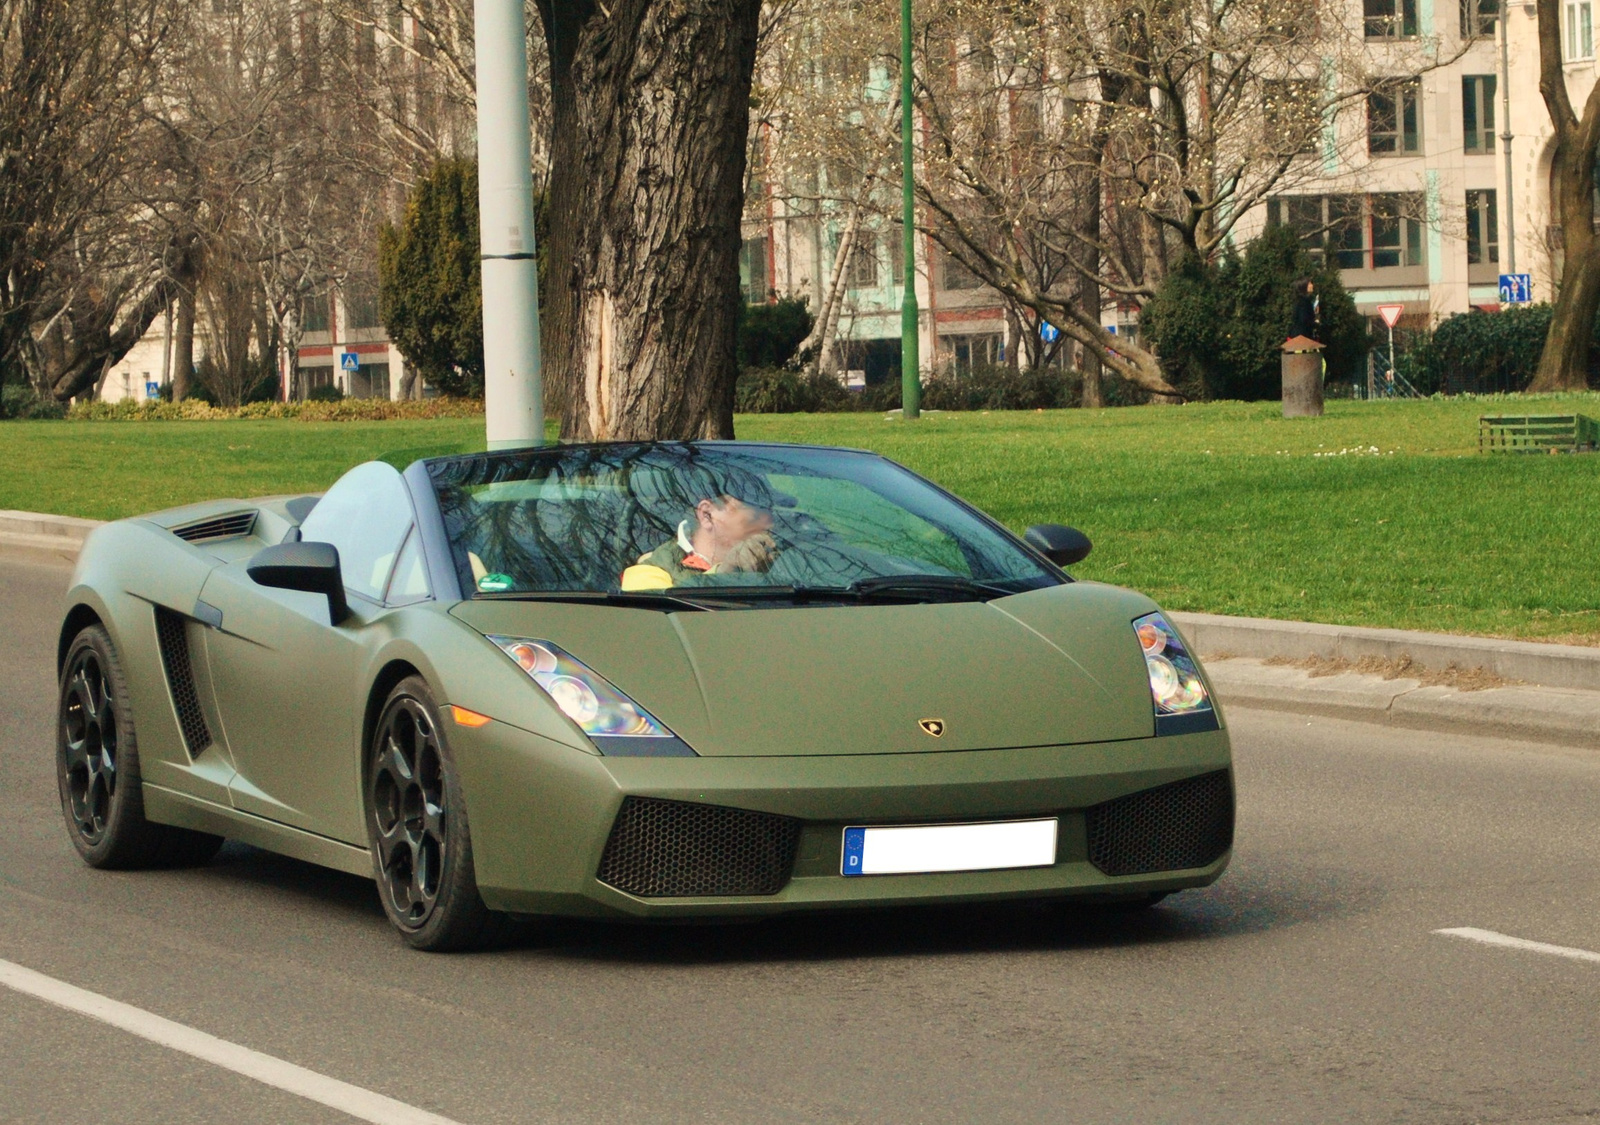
(76, 290)
(1564, 363)
(1176, 117)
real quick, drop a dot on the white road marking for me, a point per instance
(1489, 937)
(353, 1100)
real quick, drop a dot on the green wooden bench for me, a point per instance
(1537, 433)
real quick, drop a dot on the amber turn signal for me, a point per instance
(465, 718)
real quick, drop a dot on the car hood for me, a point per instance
(1049, 667)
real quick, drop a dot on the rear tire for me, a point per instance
(418, 830)
(97, 768)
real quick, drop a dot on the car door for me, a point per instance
(290, 684)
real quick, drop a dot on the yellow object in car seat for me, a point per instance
(645, 577)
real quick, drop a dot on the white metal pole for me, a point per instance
(1391, 356)
(512, 385)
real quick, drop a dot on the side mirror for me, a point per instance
(310, 567)
(1061, 545)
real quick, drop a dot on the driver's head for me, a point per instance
(727, 520)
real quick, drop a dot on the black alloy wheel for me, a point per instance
(417, 823)
(89, 743)
(408, 807)
(97, 768)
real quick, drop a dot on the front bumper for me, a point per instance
(541, 814)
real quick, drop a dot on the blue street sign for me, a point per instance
(1048, 332)
(1516, 288)
(152, 390)
(349, 361)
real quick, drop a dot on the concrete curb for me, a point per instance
(1563, 716)
(1562, 666)
(36, 537)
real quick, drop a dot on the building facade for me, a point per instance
(1423, 192)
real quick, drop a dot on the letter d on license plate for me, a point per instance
(927, 848)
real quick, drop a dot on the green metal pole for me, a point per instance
(910, 362)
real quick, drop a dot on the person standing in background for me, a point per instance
(1306, 317)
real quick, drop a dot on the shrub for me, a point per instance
(769, 334)
(1001, 388)
(19, 401)
(782, 391)
(325, 393)
(344, 410)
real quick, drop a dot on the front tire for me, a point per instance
(418, 830)
(97, 768)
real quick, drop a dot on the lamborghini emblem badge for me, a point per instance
(934, 727)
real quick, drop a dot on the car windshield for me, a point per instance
(708, 520)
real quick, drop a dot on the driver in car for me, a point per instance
(723, 535)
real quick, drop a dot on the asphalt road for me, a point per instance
(1308, 985)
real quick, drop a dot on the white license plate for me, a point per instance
(927, 848)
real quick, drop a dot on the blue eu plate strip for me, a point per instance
(855, 844)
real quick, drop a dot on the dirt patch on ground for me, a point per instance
(1397, 668)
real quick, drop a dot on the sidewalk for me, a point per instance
(1542, 693)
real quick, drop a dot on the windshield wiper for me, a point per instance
(889, 587)
(632, 599)
(917, 585)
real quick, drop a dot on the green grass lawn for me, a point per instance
(1377, 514)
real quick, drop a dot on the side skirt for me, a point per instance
(167, 806)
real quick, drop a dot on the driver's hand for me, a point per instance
(753, 553)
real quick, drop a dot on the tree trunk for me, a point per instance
(1564, 363)
(651, 108)
(820, 341)
(183, 345)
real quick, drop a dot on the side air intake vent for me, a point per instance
(670, 849)
(172, 634)
(232, 526)
(1169, 828)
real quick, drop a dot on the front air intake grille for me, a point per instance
(232, 526)
(674, 849)
(1170, 828)
(172, 635)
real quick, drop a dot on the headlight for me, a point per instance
(587, 698)
(1175, 683)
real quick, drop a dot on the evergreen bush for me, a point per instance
(769, 334)
(430, 289)
(1219, 327)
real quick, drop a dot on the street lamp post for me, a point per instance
(512, 381)
(910, 360)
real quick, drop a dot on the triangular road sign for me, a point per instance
(1391, 314)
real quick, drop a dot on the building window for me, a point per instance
(1477, 112)
(1483, 228)
(968, 352)
(1360, 232)
(1392, 119)
(1396, 231)
(957, 275)
(1580, 29)
(314, 311)
(1390, 19)
(1291, 118)
(862, 272)
(1479, 17)
(753, 279)
(360, 302)
(1304, 215)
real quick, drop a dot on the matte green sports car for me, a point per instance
(641, 681)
